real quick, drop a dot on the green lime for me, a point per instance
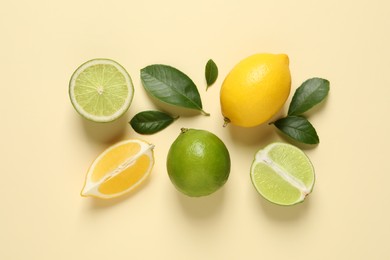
(198, 163)
(101, 90)
(282, 174)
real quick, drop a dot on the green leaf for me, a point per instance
(171, 86)
(309, 94)
(211, 73)
(298, 128)
(150, 122)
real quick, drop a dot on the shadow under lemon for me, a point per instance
(109, 132)
(260, 135)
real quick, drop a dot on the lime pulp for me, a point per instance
(101, 90)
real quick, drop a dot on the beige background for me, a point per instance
(46, 147)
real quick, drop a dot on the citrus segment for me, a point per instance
(101, 90)
(294, 161)
(127, 178)
(282, 174)
(119, 169)
(113, 159)
(277, 188)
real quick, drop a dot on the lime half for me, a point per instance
(101, 90)
(282, 174)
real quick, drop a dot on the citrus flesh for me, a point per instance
(119, 169)
(255, 89)
(282, 174)
(101, 90)
(198, 163)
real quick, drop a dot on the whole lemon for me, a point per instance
(198, 163)
(255, 89)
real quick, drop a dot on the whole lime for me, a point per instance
(198, 163)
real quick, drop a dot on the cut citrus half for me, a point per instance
(101, 90)
(282, 174)
(119, 169)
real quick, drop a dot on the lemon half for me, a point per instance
(119, 169)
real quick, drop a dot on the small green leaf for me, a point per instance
(309, 94)
(150, 122)
(171, 86)
(211, 73)
(298, 128)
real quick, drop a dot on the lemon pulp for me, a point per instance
(119, 169)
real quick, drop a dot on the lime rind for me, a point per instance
(87, 101)
(282, 174)
(198, 163)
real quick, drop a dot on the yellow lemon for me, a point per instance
(119, 169)
(255, 89)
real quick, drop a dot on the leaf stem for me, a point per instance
(204, 112)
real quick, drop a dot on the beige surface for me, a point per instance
(46, 147)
